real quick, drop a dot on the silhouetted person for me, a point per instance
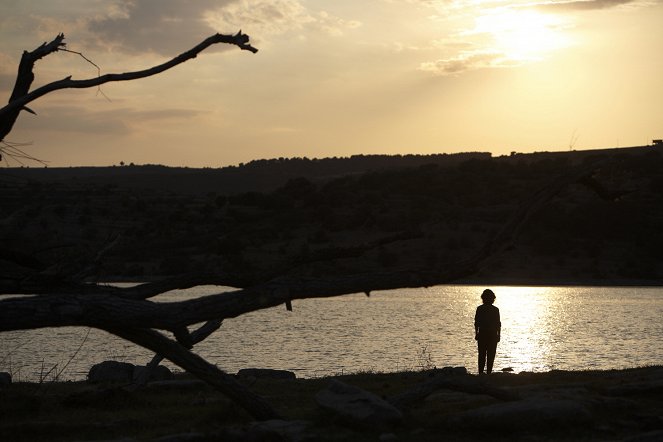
(487, 327)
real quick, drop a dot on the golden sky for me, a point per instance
(337, 78)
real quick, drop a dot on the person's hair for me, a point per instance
(488, 296)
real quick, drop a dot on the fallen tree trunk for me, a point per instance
(257, 406)
(197, 336)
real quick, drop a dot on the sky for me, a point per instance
(337, 78)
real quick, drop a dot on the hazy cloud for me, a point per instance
(165, 27)
(582, 5)
(82, 120)
(73, 119)
(168, 27)
(273, 17)
(467, 61)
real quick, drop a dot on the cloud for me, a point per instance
(467, 61)
(581, 5)
(164, 27)
(168, 27)
(115, 122)
(275, 17)
(8, 68)
(6, 85)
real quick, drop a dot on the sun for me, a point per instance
(522, 35)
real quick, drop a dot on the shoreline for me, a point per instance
(615, 404)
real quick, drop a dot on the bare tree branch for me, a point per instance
(21, 96)
(194, 364)
(197, 336)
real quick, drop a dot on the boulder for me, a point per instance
(111, 371)
(653, 387)
(453, 370)
(266, 373)
(528, 414)
(277, 430)
(653, 436)
(183, 437)
(160, 373)
(5, 378)
(358, 406)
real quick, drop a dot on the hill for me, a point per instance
(341, 216)
(255, 176)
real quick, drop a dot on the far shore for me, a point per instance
(487, 282)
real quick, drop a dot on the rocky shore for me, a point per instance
(439, 404)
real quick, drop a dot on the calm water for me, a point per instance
(543, 328)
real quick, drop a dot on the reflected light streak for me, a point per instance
(526, 338)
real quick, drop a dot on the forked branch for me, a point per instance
(21, 95)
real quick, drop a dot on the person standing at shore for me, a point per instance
(487, 329)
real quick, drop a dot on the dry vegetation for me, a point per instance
(602, 231)
(622, 404)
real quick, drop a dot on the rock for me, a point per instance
(98, 398)
(5, 378)
(111, 371)
(507, 370)
(124, 439)
(654, 436)
(277, 430)
(528, 414)
(183, 437)
(454, 370)
(266, 373)
(358, 406)
(458, 400)
(183, 384)
(160, 373)
(638, 388)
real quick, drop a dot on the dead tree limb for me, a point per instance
(21, 96)
(194, 364)
(197, 336)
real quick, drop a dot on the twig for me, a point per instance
(14, 151)
(99, 91)
(42, 376)
(57, 375)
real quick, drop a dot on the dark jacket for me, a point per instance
(487, 322)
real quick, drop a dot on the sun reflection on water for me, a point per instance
(543, 328)
(526, 320)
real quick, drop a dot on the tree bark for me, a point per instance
(197, 336)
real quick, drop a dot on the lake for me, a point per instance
(543, 328)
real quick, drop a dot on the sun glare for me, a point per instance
(522, 35)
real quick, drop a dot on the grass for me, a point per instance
(64, 411)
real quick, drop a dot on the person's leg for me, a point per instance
(482, 355)
(491, 349)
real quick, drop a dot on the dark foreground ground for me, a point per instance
(558, 405)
